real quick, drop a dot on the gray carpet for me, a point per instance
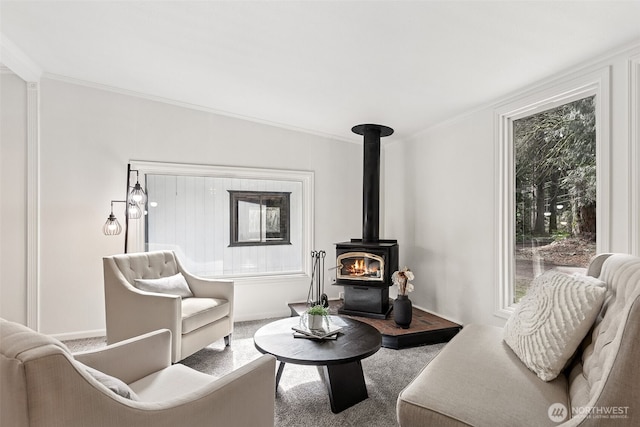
(302, 399)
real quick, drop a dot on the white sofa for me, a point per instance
(477, 380)
(43, 385)
(194, 322)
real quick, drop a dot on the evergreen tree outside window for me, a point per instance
(553, 179)
(555, 191)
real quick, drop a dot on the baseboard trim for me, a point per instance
(103, 332)
(450, 319)
(261, 316)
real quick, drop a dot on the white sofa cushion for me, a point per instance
(173, 285)
(552, 319)
(476, 380)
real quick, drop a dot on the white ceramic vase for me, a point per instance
(315, 321)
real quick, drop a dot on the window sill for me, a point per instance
(505, 312)
(267, 279)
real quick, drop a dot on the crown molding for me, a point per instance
(182, 104)
(17, 61)
(596, 62)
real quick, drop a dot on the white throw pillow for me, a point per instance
(114, 384)
(174, 285)
(552, 319)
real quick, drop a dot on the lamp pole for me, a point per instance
(126, 217)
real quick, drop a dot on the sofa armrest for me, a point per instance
(595, 265)
(131, 359)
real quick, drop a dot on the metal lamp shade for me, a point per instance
(133, 210)
(112, 227)
(137, 194)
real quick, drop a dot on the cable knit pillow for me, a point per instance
(552, 319)
(174, 285)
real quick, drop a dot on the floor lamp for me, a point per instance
(136, 197)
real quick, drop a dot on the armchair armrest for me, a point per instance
(132, 312)
(207, 288)
(244, 397)
(210, 288)
(131, 359)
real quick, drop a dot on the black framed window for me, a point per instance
(259, 218)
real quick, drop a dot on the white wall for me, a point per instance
(439, 196)
(450, 203)
(87, 138)
(13, 196)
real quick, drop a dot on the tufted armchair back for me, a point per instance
(146, 265)
(607, 373)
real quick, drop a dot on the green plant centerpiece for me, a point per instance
(316, 316)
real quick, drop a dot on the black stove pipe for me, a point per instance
(371, 179)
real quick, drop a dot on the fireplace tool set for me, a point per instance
(316, 295)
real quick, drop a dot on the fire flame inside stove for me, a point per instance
(359, 268)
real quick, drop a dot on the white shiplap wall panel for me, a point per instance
(192, 217)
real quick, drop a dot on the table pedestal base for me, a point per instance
(345, 384)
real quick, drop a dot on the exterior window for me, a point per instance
(555, 191)
(259, 218)
(552, 181)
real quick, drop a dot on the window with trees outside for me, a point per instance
(553, 173)
(555, 191)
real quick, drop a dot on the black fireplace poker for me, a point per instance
(371, 178)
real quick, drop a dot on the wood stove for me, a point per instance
(365, 266)
(365, 269)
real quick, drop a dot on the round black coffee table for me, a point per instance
(340, 358)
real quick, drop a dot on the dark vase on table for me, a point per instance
(402, 311)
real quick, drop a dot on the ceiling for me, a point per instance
(319, 66)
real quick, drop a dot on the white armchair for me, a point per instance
(194, 322)
(43, 385)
